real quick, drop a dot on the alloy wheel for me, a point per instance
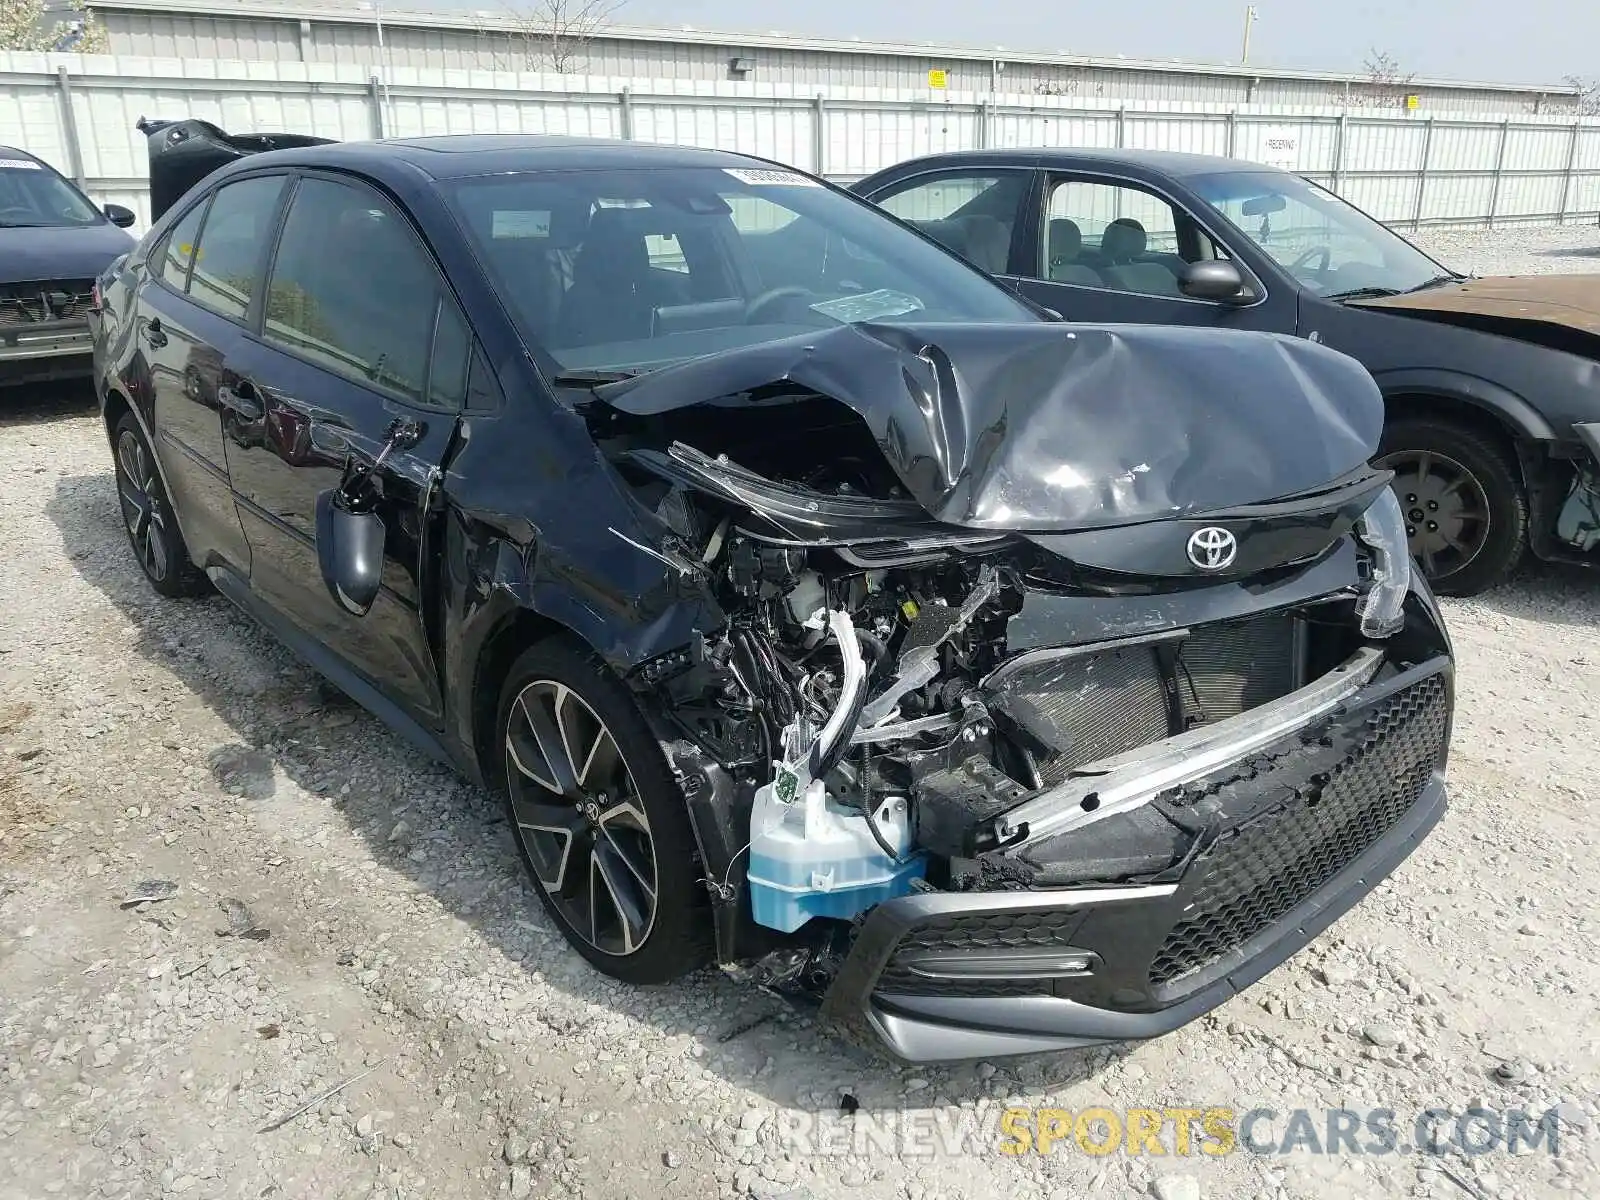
(580, 819)
(142, 509)
(1445, 507)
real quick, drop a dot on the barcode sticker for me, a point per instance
(18, 164)
(757, 177)
(516, 223)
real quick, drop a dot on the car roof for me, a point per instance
(456, 156)
(1171, 163)
(14, 152)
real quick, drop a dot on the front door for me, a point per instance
(1107, 250)
(359, 339)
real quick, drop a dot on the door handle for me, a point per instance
(153, 333)
(241, 400)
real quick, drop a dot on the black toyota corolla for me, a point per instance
(822, 610)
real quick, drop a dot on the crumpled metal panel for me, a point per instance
(1049, 427)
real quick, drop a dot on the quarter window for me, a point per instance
(176, 255)
(353, 291)
(227, 262)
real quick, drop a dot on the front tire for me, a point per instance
(599, 821)
(148, 518)
(1466, 514)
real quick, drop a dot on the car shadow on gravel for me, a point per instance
(45, 403)
(450, 840)
(1559, 593)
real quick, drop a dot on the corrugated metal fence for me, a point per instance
(79, 112)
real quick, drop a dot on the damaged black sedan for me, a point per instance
(821, 609)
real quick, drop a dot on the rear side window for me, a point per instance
(353, 291)
(177, 252)
(228, 260)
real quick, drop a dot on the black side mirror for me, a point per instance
(120, 215)
(350, 551)
(1213, 280)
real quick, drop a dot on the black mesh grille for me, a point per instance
(1232, 666)
(1254, 875)
(31, 303)
(979, 931)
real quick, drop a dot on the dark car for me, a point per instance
(54, 242)
(820, 608)
(1492, 385)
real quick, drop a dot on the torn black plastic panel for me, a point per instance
(1043, 427)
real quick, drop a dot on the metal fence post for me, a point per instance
(983, 125)
(1122, 129)
(1422, 173)
(1338, 149)
(375, 97)
(819, 135)
(69, 126)
(1233, 133)
(1499, 171)
(1572, 171)
(625, 101)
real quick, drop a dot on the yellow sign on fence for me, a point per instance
(937, 79)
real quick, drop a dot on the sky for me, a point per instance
(1513, 41)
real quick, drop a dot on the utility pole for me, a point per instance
(1250, 18)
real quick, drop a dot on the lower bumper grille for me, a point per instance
(978, 932)
(1255, 874)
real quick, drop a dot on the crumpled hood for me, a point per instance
(80, 252)
(1570, 301)
(1044, 426)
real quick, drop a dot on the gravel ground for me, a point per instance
(390, 940)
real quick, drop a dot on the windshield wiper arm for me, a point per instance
(1362, 293)
(1447, 277)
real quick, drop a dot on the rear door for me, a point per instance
(357, 338)
(1107, 249)
(192, 311)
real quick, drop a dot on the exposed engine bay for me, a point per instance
(888, 686)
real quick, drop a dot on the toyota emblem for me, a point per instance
(1213, 548)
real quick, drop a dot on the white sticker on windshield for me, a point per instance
(869, 306)
(18, 164)
(520, 223)
(770, 178)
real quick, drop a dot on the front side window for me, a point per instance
(1329, 246)
(975, 215)
(1117, 236)
(353, 291)
(34, 196)
(628, 270)
(233, 238)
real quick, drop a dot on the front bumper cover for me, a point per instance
(1299, 833)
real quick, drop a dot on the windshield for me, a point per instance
(613, 271)
(1330, 247)
(34, 195)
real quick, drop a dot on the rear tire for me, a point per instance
(1462, 497)
(147, 516)
(600, 822)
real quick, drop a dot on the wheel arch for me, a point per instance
(1465, 398)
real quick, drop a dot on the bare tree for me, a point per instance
(1586, 95)
(25, 25)
(1384, 84)
(551, 35)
